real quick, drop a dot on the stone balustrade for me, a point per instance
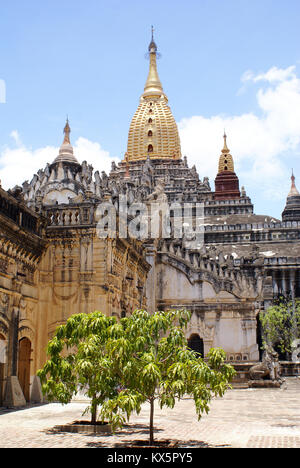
(70, 216)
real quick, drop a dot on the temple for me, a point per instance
(54, 262)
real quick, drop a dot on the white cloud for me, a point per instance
(272, 76)
(19, 163)
(262, 144)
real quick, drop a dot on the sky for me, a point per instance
(225, 64)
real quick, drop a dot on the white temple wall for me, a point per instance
(221, 319)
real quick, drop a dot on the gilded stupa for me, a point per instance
(153, 131)
(226, 160)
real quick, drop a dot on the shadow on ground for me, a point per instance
(171, 444)
(4, 410)
(136, 431)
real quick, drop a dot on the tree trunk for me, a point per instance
(151, 441)
(94, 413)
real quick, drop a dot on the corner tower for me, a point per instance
(292, 207)
(226, 183)
(153, 130)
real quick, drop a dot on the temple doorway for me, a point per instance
(24, 366)
(195, 343)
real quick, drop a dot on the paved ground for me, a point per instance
(244, 418)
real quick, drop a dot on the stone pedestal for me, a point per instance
(264, 383)
(13, 393)
(36, 395)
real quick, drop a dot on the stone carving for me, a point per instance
(296, 351)
(206, 330)
(268, 369)
(159, 193)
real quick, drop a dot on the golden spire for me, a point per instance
(293, 192)
(225, 150)
(226, 160)
(153, 85)
(153, 130)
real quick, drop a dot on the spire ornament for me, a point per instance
(152, 47)
(293, 192)
(153, 85)
(226, 182)
(292, 208)
(67, 131)
(225, 150)
(66, 153)
(226, 160)
(153, 131)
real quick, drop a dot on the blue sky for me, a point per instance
(232, 63)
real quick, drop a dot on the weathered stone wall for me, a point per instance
(220, 318)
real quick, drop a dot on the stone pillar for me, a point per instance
(292, 282)
(283, 282)
(208, 344)
(250, 345)
(275, 283)
(151, 252)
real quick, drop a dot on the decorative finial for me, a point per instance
(293, 192)
(153, 85)
(226, 160)
(152, 47)
(225, 149)
(67, 131)
(66, 152)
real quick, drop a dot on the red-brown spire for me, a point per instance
(226, 182)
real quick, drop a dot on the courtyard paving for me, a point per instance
(243, 418)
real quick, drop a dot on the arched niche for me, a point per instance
(195, 343)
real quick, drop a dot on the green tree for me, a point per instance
(155, 364)
(79, 361)
(281, 325)
(121, 365)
